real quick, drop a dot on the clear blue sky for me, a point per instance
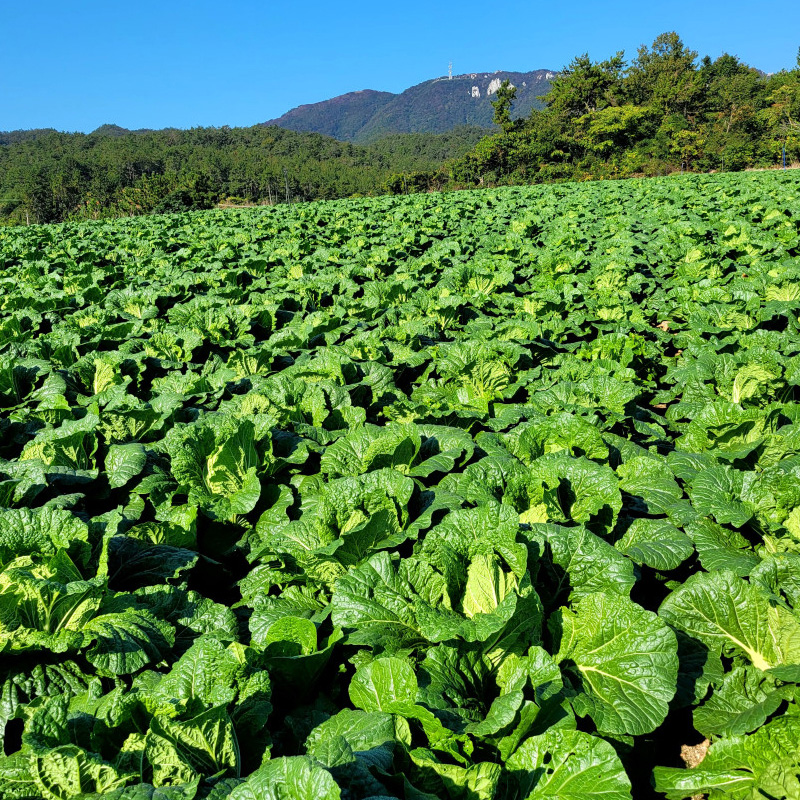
(76, 64)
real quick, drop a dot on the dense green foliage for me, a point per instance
(53, 176)
(664, 112)
(481, 495)
(12, 137)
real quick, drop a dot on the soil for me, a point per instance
(692, 755)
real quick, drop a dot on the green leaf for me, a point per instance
(144, 791)
(127, 641)
(123, 462)
(466, 533)
(206, 744)
(698, 668)
(740, 704)
(717, 492)
(133, 563)
(568, 765)
(372, 447)
(551, 434)
(728, 614)
(68, 771)
(780, 780)
(444, 780)
(453, 677)
(495, 609)
(334, 751)
(584, 562)
(205, 673)
(361, 730)
(231, 470)
(71, 446)
(587, 492)
(217, 462)
(42, 531)
(621, 660)
(375, 603)
(46, 605)
(733, 766)
(290, 636)
(721, 548)
(652, 480)
(382, 683)
(678, 784)
(656, 543)
(502, 714)
(290, 778)
(292, 654)
(487, 586)
(748, 381)
(779, 574)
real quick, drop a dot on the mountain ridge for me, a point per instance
(438, 105)
(433, 106)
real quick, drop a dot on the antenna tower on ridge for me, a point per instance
(450, 71)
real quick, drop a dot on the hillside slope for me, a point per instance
(341, 117)
(434, 106)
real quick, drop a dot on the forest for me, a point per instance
(56, 177)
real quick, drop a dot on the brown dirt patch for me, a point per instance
(692, 755)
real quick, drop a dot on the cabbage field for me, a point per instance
(470, 496)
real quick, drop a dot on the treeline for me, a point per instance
(663, 112)
(50, 177)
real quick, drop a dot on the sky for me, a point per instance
(77, 64)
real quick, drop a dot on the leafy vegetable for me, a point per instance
(472, 496)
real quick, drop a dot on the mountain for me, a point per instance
(341, 117)
(434, 106)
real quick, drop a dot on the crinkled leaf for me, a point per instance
(288, 778)
(125, 642)
(728, 614)
(569, 765)
(656, 543)
(123, 462)
(621, 660)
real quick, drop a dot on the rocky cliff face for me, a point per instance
(434, 106)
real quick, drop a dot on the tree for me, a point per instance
(505, 96)
(663, 75)
(612, 130)
(687, 146)
(196, 195)
(782, 116)
(585, 86)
